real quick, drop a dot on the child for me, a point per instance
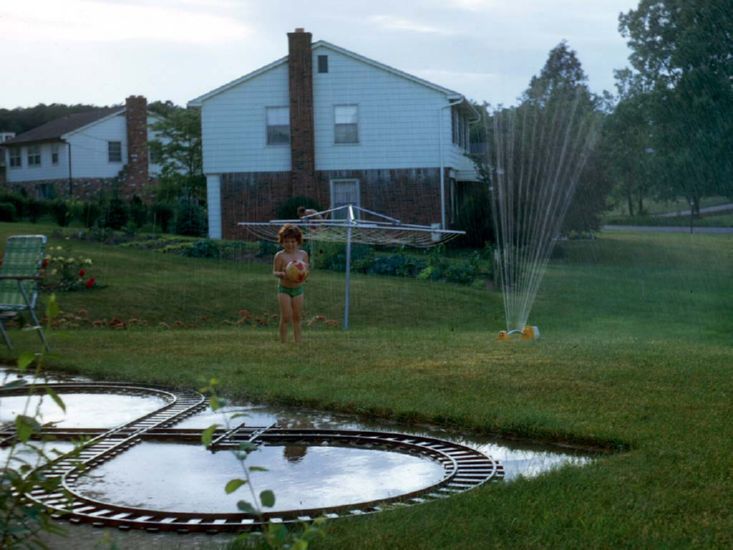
(289, 293)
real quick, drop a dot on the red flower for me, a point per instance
(91, 282)
(44, 263)
(82, 272)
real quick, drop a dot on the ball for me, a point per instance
(296, 271)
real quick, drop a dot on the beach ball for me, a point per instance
(296, 271)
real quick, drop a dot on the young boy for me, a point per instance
(289, 293)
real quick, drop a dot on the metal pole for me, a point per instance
(348, 268)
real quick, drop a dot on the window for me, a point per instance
(322, 63)
(278, 125)
(346, 124)
(15, 158)
(114, 151)
(54, 154)
(344, 192)
(34, 155)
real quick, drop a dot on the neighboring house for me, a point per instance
(4, 136)
(332, 125)
(81, 154)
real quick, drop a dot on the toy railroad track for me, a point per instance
(463, 468)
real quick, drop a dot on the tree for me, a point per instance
(177, 148)
(682, 58)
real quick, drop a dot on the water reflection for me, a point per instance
(186, 477)
(83, 410)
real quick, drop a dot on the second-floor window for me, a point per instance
(54, 154)
(34, 155)
(460, 128)
(15, 158)
(346, 124)
(114, 151)
(278, 125)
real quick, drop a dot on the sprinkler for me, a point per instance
(527, 333)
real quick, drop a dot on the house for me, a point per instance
(81, 154)
(332, 125)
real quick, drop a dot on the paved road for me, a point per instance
(667, 229)
(707, 210)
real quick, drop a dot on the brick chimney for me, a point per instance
(136, 116)
(300, 86)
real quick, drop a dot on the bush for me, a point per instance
(19, 202)
(115, 215)
(34, 210)
(163, 215)
(190, 217)
(61, 212)
(138, 211)
(474, 216)
(89, 214)
(332, 256)
(7, 212)
(289, 209)
(399, 265)
(205, 248)
(266, 248)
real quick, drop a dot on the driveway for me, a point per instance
(667, 229)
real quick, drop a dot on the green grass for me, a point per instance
(636, 355)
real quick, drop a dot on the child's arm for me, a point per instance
(277, 266)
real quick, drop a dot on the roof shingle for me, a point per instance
(54, 129)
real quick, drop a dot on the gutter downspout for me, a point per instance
(71, 188)
(442, 161)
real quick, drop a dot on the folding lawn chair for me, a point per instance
(19, 276)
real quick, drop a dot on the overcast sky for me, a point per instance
(100, 51)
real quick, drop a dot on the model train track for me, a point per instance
(463, 468)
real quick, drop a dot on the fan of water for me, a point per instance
(540, 149)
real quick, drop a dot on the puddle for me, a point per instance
(184, 477)
(83, 410)
(188, 478)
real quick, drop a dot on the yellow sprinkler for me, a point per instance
(527, 333)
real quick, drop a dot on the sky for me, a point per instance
(101, 51)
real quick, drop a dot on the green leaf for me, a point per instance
(246, 507)
(300, 544)
(234, 484)
(257, 469)
(25, 426)
(267, 498)
(52, 307)
(56, 398)
(208, 435)
(25, 359)
(14, 384)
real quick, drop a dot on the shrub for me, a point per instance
(61, 212)
(18, 201)
(190, 217)
(333, 256)
(138, 211)
(163, 215)
(7, 212)
(34, 210)
(89, 214)
(289, 209)
(399, 265)
(205, 248)
(115, 215)
(266, 248)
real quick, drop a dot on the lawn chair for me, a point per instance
(19, 276)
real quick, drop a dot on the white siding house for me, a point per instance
(79, 154)
(324, 121)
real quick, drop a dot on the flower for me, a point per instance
(90, 282)
(44, 263)
(82, 272)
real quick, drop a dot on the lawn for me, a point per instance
(636, 357)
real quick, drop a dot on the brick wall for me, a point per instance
(411, 195)
(300, 89)
(136, 115)
(81, 188)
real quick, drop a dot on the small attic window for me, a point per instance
(322, 63)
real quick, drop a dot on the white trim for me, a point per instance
(213, 204)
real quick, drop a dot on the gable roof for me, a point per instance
(197, 102)
(55, 129)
